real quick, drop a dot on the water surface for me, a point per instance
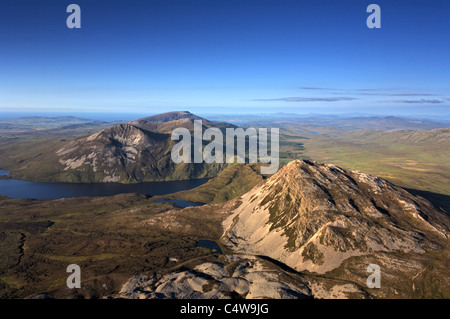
(15, 188)
(179, 202)
(210, 244)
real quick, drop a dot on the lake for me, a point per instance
(15, 188)
(306, 131)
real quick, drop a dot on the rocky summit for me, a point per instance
(115, 153)
(236, 276)
(313, 217)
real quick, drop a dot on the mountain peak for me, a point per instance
(314, 216)
(170, 116)
(130, 152)
(167, 122)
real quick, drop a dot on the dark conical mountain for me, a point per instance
(169, 116)
(167, 122)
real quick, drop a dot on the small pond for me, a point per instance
(179, 202)
(210, 244)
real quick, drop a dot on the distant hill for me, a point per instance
(167, 122)
(386, 123)
(168, 117)
(335, 121)
(40, 127)
(136, 151)
(45, 121)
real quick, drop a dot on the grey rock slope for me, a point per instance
(236, 276)
(314, 217)
(119, 153)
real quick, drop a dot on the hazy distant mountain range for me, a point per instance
(348, 121)
(140, 150)
(44, 120)
(345, 121)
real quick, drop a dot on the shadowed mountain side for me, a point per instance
(439, 200)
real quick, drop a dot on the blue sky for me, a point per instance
(312, 56)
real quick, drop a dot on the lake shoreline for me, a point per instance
(16, 188)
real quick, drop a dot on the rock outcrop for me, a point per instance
(313, 217)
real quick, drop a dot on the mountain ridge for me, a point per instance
(313, 217)
(131, 152)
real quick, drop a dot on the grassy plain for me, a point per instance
(417, 160)
(110, 238)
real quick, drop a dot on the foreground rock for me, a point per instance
(236, 276)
